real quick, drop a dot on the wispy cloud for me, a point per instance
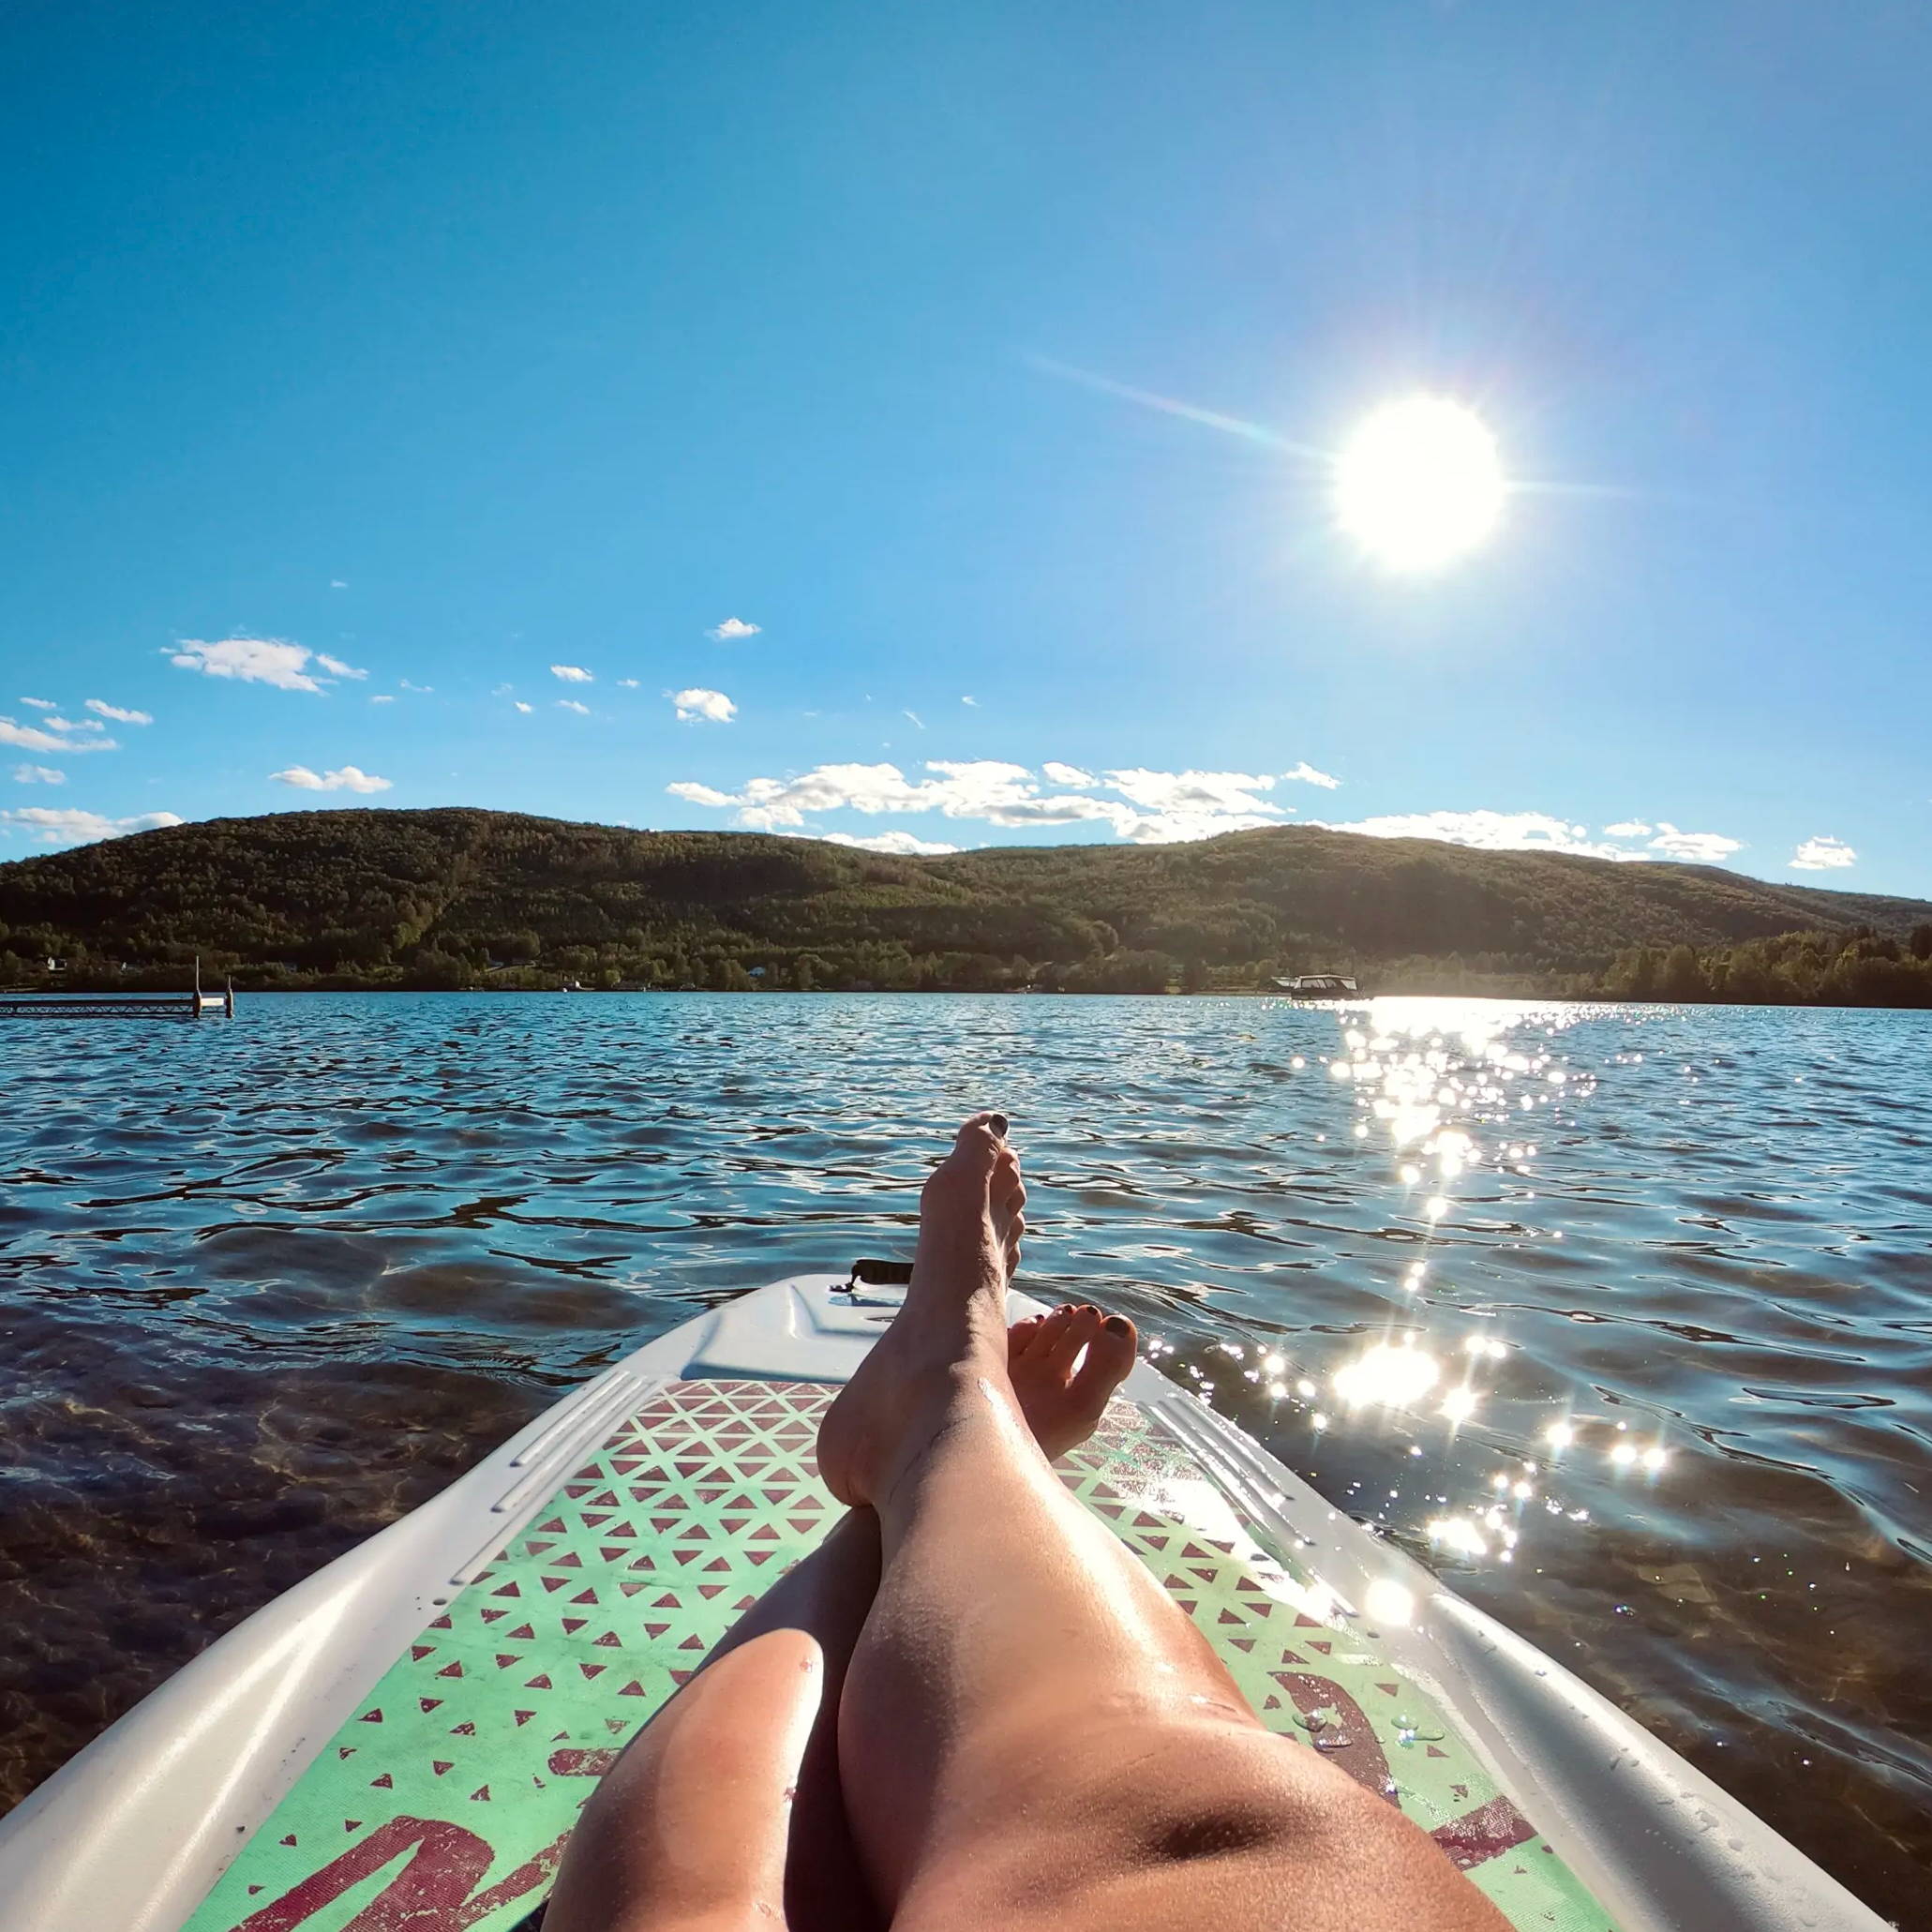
(114, 712)
(421, 690)
(916, 719)
(38, 774)
(348, 778)
(40, 704)
(1823, 854)
(73, 724)
(570, 704)
(572, 674)
(902, 843)
(1692, 847)
(1150, 808)
(527, 709)
(732, 630)
(973, 701)
(383, 697)
(627, 683)
(1542, 832)
(274, 661)
(32, 738)
(1306, 773)
(70, 826)
(699, 706)
(337, 583)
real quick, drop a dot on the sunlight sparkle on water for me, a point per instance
(1386, 1374)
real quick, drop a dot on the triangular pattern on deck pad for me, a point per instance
(443, 1804)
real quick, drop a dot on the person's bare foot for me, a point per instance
(1062, 1404)
(948, 1341)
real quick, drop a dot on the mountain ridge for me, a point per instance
(460, 894)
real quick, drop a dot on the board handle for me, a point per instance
(881, 1274)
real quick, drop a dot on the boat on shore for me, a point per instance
(1319, 986)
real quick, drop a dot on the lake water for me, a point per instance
(1620, 1317)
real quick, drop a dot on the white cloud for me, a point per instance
(700, 794)
(31, 737)
(260, 661)
(1305, 773)
(732, 630)
(916, 719)
(383, 697)
(572, 674)
(70, 826)
(902, 843)
(973, 701)
(337, 583)
(627, 683)
(348, 778)
(1540, 831)
(1823, 854)
(699, 706)
(117, 714)
(424, 690)
(1154, 808)
(38, 774)
(525, 709)
(1193, 791)
(73, 724)
(1693, 848)
(570, 704)
(1494, 832)
(41, 704)
(1151, 807)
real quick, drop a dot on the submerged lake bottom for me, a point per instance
(1620, 1318)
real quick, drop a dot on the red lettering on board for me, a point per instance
(432, 1893)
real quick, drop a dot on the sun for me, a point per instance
(1419, 483)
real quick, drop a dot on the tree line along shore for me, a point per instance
(462, 898)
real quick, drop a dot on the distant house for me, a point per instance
(57, 966)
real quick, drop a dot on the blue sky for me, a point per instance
(359, 366)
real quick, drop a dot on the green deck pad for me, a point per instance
(443, 1804)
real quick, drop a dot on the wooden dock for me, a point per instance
(192, 1005)
(113, 1006)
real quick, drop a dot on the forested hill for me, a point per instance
(453, 897)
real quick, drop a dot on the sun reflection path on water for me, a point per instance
(1445, 1089)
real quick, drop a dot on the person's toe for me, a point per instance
(1040, 1344)
(1109, 1356)
(978, 1146)
(1022, 1337)
(1083, 1325)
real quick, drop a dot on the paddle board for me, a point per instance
(404, 1740)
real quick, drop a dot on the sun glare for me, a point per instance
(1419, 483)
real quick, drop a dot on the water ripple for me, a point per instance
(1622, 1315)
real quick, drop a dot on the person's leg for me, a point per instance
(687, 1832)
(1030, 1732)
(614, 1878)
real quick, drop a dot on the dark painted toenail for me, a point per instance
(1117, 1325)
(997, 1123)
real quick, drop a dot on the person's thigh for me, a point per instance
(1200, 1827)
